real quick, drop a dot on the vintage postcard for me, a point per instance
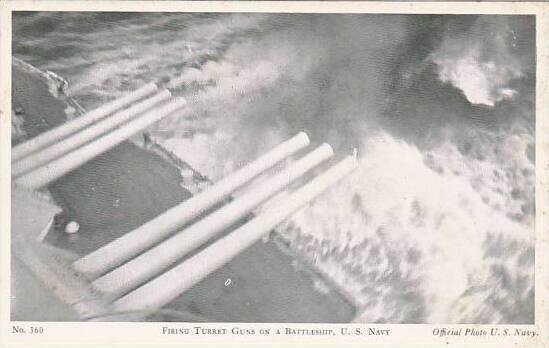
(266, 173)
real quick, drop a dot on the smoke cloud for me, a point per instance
(482, 62)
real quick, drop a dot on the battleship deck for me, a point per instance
(128, 185)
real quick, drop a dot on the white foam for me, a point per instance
(409, 242)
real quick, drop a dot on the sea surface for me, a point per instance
(437, 223)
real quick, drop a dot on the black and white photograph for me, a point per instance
(210, 167)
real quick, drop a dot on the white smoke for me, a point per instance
(412, 235)
(481, 64)
(211, 124)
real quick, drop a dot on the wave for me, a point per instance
(415, 238)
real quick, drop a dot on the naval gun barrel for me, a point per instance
(168, 286)
(70, 127)
(55, 169)
(140, 269)
(133, 243)
(85, 135)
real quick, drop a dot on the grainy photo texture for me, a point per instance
(204, 167)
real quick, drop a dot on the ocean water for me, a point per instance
(437, 223)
